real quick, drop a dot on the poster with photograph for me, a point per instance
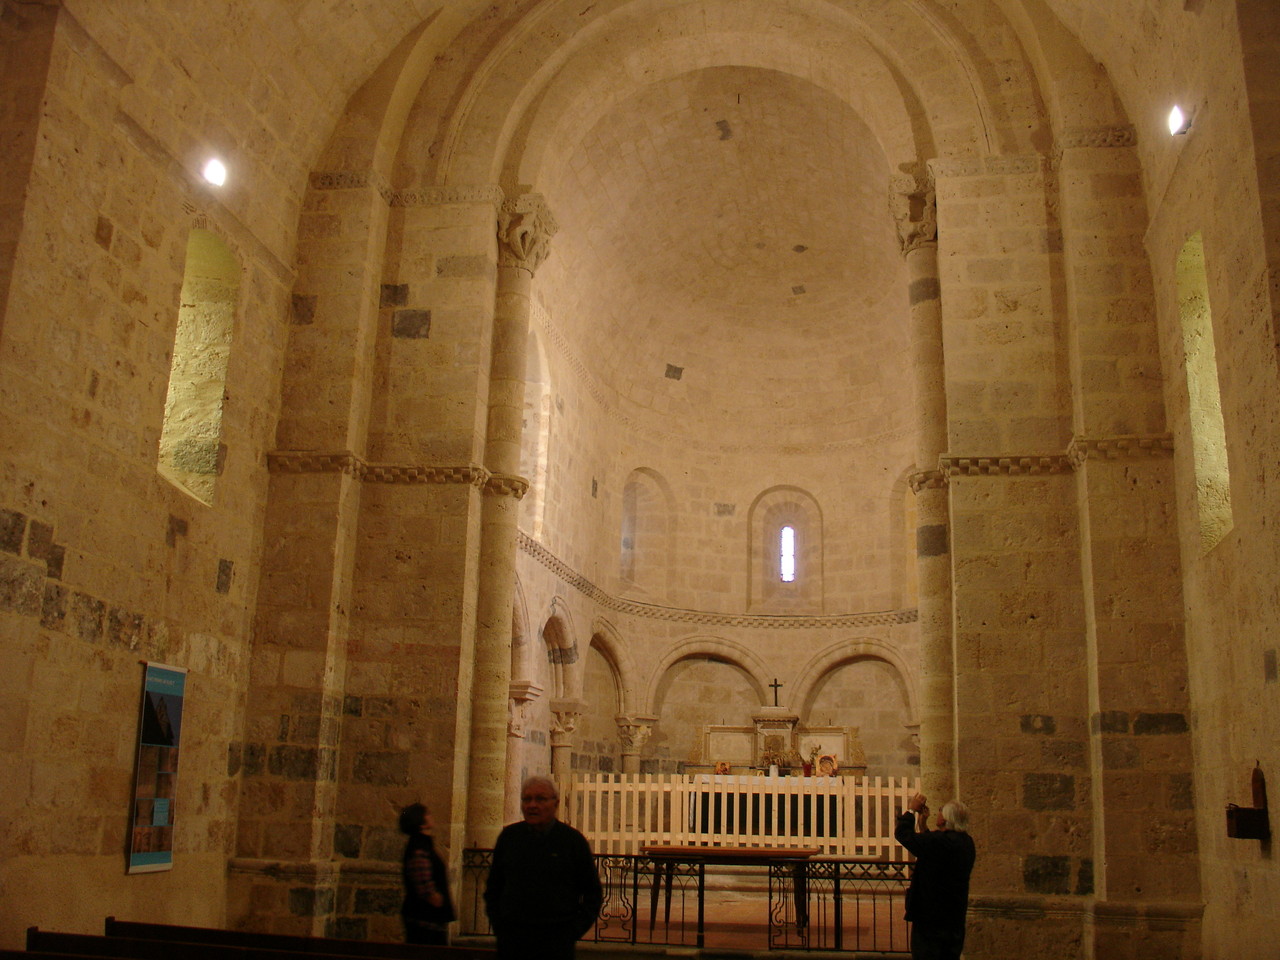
(155, 785)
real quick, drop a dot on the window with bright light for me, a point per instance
(191, 449)
(787, 554)
(1208, 429)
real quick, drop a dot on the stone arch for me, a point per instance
(521, 648)
(970, 81)
(606, 639)
(772, 510)
(647, 539)
(809, 677)
(562, 651)
(717, 648)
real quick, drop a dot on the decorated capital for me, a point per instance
(913, 203)
(634, 732)
(525, 229)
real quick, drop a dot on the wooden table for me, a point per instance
(665, 857)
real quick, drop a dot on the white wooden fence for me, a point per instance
(842, 816)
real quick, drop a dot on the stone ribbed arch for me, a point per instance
(820, 665)
(858, 74)
(1069, 79)
(606, 638)
(718, 648)
(969, 86)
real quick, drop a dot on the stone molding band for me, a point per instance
(284, 461)
(1079, 450)
(425, 197)
(653, 611)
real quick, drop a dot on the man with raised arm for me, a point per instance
(938, 897)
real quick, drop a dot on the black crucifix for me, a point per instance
(776, 686)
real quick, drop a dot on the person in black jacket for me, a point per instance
(543, 891)
(427, 908)
(938, 897)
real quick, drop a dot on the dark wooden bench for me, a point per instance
(253, 947)
(296, 943)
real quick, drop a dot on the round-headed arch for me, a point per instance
(606, 639)
(909, 75)
(822, 663)
(716, 648)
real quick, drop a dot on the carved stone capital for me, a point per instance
(506, 485)
(634, 732)
(914, 206)
(564, 720)
(525, 229)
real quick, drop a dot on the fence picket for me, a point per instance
(620, 813)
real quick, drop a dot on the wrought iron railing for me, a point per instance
(830, 904)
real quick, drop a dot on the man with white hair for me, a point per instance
(938, 897)
(543, 891)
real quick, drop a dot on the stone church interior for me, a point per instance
(402, 397)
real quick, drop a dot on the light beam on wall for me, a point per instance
(1179, 122)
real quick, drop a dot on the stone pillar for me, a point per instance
(633, 734)
(1143, 874)
(564, 721)
(525, 228)
(915, 210)
(523, 693)
(283, 877)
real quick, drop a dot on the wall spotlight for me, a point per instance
(215, 171)
(1179, 122)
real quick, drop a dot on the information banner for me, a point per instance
(155, 786)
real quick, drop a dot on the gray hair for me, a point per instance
(956, 816)
(540, 781)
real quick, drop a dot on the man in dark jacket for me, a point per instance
(939, 893)
(543, 891)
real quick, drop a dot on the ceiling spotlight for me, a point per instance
(215, 171)
(1179, 122)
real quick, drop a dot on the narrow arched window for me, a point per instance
(787, 554)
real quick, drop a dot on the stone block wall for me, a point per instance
(109, 563)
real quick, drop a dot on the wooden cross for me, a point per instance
(776, 686)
